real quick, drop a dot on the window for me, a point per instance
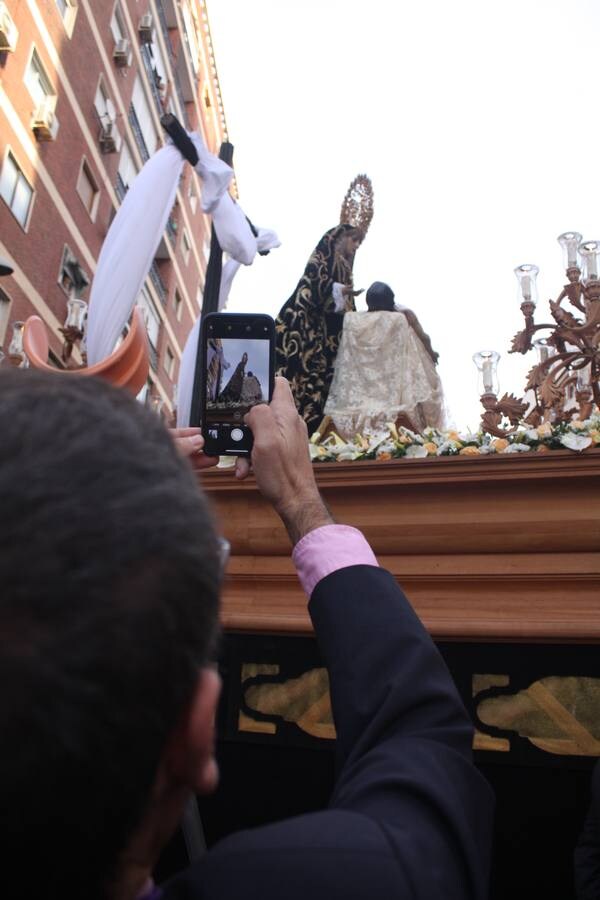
(88, 189)
(4, 314)
(72, 278)
(169, 363)
(105, 108)
(16, 190)
(193, 195)
(126, 171)
(117, 25)
(151, 317)
(142, 121)
(185, 247)
(68, 12)
(38, 83)
(178, 305)
(190, 36)
(146, 392)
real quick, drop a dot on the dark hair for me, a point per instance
(380, 297)
(109, 581)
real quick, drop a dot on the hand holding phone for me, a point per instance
(236, 369)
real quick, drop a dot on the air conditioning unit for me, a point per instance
(110, 139)
(145, 29)
(45, 123)
(8, 30)
(122, 53)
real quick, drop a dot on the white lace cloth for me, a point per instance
(382, 370)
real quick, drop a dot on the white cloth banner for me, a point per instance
(128, 250)
(130, 245)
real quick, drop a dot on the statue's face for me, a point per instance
(350, 242)
(245, 358)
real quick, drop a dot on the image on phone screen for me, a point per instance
(237, 378)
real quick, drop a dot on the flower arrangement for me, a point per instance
(395, 443)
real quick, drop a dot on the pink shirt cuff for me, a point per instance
(327, 549)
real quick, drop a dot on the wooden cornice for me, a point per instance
(486, 548)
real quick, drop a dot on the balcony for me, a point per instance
(120, 188)
(172, 230)
(158, 283)
(153, 353)
(165, 21)
(154, 78)
(167, 13)
(182, 100)
(184, 74)
(137, 133)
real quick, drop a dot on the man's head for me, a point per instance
(380, 297)
(109, 578)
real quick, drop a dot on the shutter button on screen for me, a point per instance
(237, 434)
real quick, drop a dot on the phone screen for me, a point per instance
(238, 374)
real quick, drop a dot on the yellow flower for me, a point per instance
(384, 455)
(499, 444)
(595, 436)
(469, 451)
(544, 430)
(453, 436)
(577, 425)
(430, 447)
(543, 449)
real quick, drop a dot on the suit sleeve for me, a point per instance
(403, 736)
(587, 851)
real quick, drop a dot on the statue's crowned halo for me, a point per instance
(357, 208)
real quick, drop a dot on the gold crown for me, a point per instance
(357, 208)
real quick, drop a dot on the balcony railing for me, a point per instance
(137, 132)
(165, 29)
(172, 229)
(120, 188)
(179, 91)
(152, 78)
(158, 283)
(153, 353)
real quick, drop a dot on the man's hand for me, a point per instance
(190, 444)
(281, 463)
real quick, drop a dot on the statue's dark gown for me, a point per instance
(308, 328)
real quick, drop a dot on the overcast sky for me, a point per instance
(477, 123)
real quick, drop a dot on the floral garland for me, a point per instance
(395, 443)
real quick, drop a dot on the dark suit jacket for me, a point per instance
(587, 852)
(410, 816)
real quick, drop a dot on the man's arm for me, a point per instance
(410, 816)
(403, 735)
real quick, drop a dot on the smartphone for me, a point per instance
(235, 371)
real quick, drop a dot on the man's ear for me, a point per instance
(189, 758)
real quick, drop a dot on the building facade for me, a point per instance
(82, 87)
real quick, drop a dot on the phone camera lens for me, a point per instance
(248, 328)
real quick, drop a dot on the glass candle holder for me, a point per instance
(544, 349)
(16, 353)
(76, 314)
(590, 260)
(569, 242)
(527, 277)
(487, 368)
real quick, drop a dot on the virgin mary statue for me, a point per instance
(309, 324)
